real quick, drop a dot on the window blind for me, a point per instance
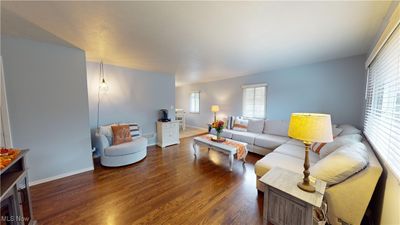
(382, 106)
(254, 101)
(195, 102)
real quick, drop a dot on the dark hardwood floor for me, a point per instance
(168, 187)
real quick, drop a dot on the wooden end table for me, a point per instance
(285, 203)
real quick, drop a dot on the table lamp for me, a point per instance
(309, 128)
(215, 109)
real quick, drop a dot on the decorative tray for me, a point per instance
(7, 156)
(219, 140)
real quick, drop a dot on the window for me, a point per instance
(254, 101)
(382, 111)
(195, 102)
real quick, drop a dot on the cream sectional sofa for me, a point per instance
(272, 135)
(347, 200)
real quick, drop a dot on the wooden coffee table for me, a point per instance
(220, 147)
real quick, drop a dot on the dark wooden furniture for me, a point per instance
(16, 207)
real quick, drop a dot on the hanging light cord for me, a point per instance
(101, 79)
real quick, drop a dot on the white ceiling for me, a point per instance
(203, 41)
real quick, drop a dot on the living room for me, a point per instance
(99, 92)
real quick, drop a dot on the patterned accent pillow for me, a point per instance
(230, 122)
(316, 146)
(134, 129)
(121, 134)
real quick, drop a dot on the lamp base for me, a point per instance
(306, 187)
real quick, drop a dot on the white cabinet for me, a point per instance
(167, 133)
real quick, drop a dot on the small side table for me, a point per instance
(285, 203)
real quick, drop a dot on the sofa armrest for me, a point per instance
(101, 142)
(348, 201)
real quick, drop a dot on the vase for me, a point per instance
(218, 135)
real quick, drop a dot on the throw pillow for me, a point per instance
(341, 164)
(133, 128)
(349, 129)
(240, 124)
(276, 127)
(255, 126)
(230, 122)
(336, 131)
(337, 143)
(106, 131)
(317, 146)
(121, 134)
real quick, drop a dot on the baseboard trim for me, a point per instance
(201, 128)
(35, 182)
(151, 143)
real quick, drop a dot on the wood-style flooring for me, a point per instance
(169, 186)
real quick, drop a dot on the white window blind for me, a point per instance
(382, 112)
(254, 101)
(195, 102)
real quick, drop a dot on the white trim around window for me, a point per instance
(254, 101)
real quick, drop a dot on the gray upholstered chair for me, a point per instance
(122, 154)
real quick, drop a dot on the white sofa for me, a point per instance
(122, 154)
(347, 200)
(272, 135)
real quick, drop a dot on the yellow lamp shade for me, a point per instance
(214, 108)
(311, 127)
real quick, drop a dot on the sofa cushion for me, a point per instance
(349, 129)
(246, 137)
(136, 145)
(274, 159)
(297, 152)
(341, 164)
(276, 127)
(270, 141)
(225, 133)
(337, 143)
(255, 126)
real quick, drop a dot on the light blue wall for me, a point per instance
(133, 96)
(335, 87)
(48, 106)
